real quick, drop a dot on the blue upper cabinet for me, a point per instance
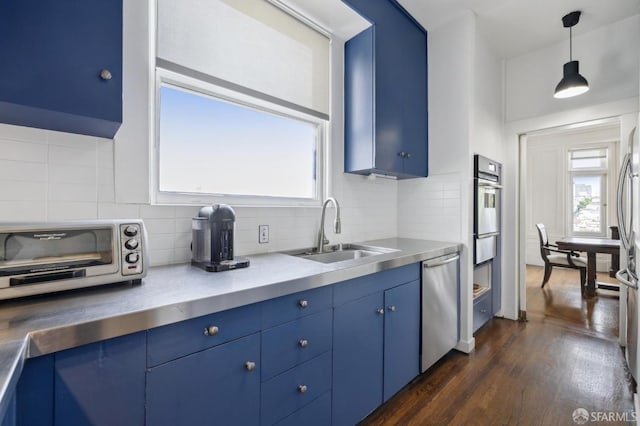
(386, 93)
(62, 65)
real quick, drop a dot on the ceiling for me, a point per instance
(514, 27)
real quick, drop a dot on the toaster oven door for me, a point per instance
(29, 256)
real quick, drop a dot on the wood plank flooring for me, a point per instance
(535, 373)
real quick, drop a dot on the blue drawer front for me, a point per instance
(297, 305)
(176, 340)
(317, 413)
(363, 286)
(282, 346)
(482, 311)
(281, 395)
(212, 387)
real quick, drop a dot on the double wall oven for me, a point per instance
(486, 222)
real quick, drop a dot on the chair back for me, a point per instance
(544, 241)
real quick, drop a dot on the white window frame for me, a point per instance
(160, 75)
(606, 186)
(182, 81)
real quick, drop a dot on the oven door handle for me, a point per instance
(632, 283)
(489, 184)
(491, 234)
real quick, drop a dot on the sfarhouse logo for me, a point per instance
(582, 416)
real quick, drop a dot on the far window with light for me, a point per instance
(242, 104)
(588, 189)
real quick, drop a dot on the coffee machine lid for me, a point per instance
(218, 213)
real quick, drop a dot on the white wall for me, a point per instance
(46, 175)
(608, 57)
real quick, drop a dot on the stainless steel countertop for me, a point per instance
(40, 325)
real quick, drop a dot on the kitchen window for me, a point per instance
(588, 180)
(242, 104)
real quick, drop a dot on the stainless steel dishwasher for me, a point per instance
(440, 307)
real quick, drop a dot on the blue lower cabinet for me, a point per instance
(357, 359)
(220, 386)
(401, 336)
(34, 405)
(9, 418)
(101, 383)
(317, 413)
(295, 388)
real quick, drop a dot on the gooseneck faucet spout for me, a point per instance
(322, 240)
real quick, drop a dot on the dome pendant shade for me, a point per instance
(572, 83)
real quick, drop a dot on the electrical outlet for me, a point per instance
(263, 234)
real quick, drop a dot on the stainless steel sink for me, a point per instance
(341, 252)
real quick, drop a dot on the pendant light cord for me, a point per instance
(570, 45)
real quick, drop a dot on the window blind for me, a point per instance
(249, 46)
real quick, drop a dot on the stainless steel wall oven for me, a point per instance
(486, 194)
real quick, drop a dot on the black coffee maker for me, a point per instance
(212, 245)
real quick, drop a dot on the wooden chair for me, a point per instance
(553, 256)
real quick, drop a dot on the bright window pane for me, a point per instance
(587, 204)
(588, 159)
(210, 146)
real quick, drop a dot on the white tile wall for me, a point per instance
(430, 208)
(46, 175)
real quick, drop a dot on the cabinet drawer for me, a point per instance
(297, 305)
(295, 342)
(317, 413)
(482, 311)
(176, 340)
(292, 390)
(363, 286)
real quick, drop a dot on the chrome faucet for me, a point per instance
(322, 240)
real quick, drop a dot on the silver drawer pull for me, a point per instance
(212, 330)
(392, 308)
(250, 365)
(105, 74)
(302, 388)
(380, 311)
(303, 303)
(483, 311)
(303, 343)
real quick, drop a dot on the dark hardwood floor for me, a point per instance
(535, 373)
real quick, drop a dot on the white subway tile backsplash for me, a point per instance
(83, 156)
(23, 191)
(21, 211)
(161, 257)
(112, 210)
(160, 226)
(65, 173)
(157, 212)
(71, 210)
(22, 170)
(73, 192)
(106, 194)
(23, 151)
(20, 133)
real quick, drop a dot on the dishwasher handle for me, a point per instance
(439, 261)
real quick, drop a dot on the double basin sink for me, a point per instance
(341, 252)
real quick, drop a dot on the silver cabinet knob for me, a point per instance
(302, 388)
(392, 308)
(408, 155)
(402, 154)
(303, 343)
(105, 74)
(380, 311)
(250, 365)
(303, 303)
(212, 330)
(484, 311)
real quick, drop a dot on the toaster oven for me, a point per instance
(47, 257)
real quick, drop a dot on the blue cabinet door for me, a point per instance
(386, 76)
(357, 359)
(401, 336)
(55, 52)
(215, 386)
(34, 394)
(101, 383)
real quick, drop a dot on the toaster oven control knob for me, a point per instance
(131, 231)
(132, 257)
(131, 244)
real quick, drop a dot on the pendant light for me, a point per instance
(572, 83)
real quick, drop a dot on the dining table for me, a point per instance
(591, 246)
